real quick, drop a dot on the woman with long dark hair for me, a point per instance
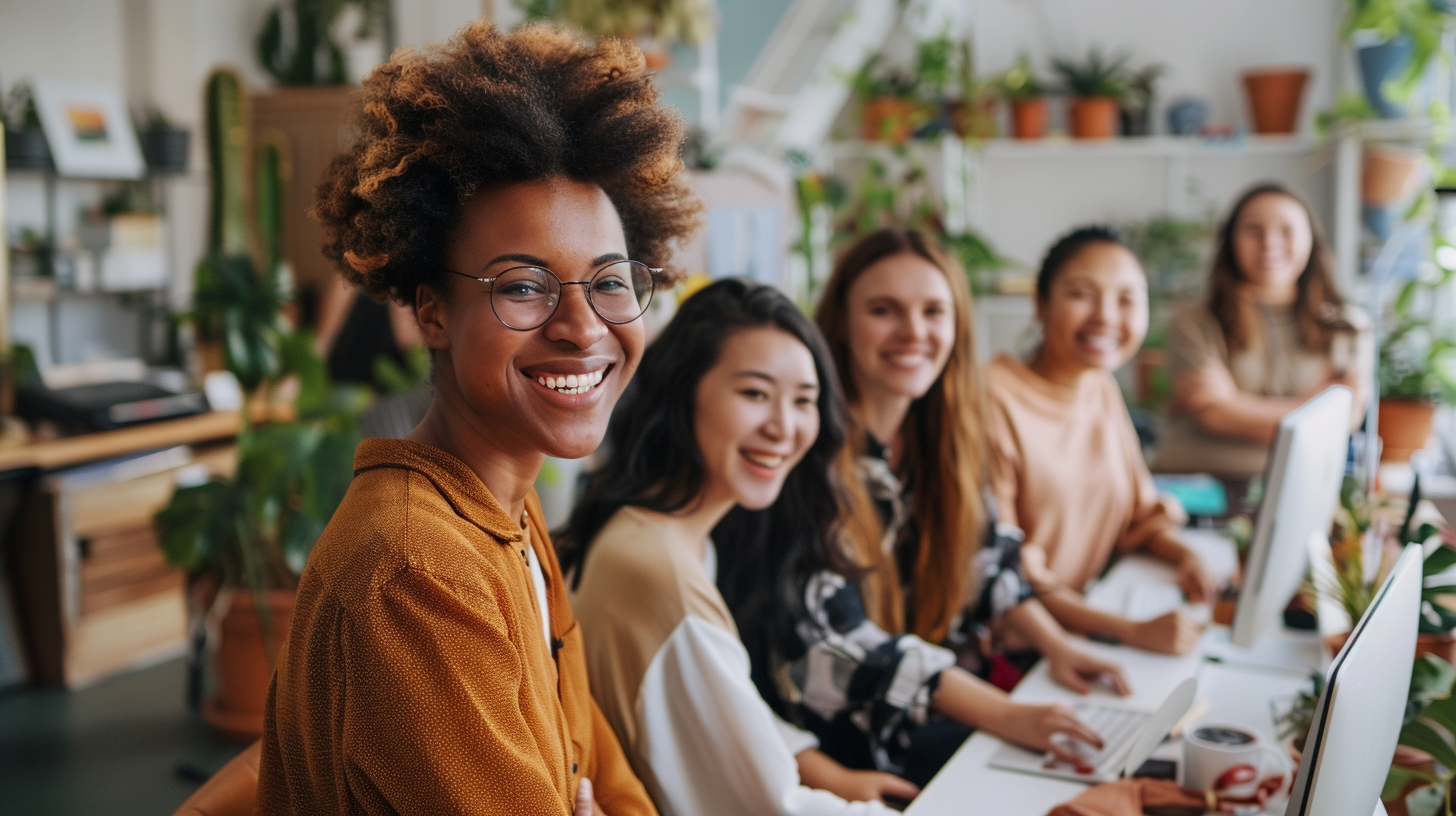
(1272, 332)
(737, 406)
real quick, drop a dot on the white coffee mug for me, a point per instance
(1231, 760)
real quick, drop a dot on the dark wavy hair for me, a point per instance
(1068, 247)
(486, 109)
(765, 557)
(1318, 305)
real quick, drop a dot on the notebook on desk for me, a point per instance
(1128, 736)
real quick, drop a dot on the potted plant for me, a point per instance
(1395, 41)
(1274, 96)
(1137, 104)
(973, 114)
(25, 141)
(1293, 719)
(1417, 370)
(1426, 738)
(164, 145)
(1025, 95)
(1097, 86)
(299, 41)
(890, 109)
(244, 539)
(655, 25)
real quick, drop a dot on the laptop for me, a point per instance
(1129, 737)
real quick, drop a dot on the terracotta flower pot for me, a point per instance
(889, 119)
(1274, 95)
(1404, 427)
(655, 54)
(243, 662)
(976, 121)
(1094, 117)
(1029, 118)
(1415, 760)
(1442, 646)
(1387, 173)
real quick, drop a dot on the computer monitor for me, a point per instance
(1301, 488)
(1358, 717)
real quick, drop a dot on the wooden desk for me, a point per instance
(82, 448)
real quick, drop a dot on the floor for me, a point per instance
(127, 745)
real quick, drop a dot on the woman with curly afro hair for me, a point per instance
(520, 191)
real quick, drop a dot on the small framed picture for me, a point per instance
(89, 131)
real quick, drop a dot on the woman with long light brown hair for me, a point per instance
(939, 574)
(1272, 332)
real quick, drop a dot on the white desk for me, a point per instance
(1236, 692)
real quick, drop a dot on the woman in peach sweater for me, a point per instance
(500, 187)
(1066, 466)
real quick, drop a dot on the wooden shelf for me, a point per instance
(75, 450)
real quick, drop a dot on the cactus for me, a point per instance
(227, 146)
(271, 171)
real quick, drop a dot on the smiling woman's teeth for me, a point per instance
(764, 459)
(573, 383)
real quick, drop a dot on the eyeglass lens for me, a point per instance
(527, 296)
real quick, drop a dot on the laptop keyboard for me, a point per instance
(1117, 727)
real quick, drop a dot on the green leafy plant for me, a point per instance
(1429, 725)
(1171, 250)
(933, 67)
(1349, 107)
(296, 44)
(1416, 361)
(874, 80)
(1099, 74)
(1296, 720)
(884, 198)
(1019, 81)
(256, 528)
(1423, 21)
(667, 21)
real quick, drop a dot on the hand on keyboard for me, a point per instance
(1048, 728)
(1117, 727)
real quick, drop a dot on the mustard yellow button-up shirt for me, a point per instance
(414, 678)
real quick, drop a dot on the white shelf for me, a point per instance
(1124, 146)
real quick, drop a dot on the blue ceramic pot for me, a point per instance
(1379, 63)
(1186, 117)
(1378, 219)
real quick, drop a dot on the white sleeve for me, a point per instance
(711, 745)
(795, 738)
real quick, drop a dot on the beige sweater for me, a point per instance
(1275, 364)
(1066, 467)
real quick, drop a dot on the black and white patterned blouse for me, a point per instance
(851, 672)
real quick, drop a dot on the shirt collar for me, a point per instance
(453, 478)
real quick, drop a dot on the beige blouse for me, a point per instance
(1275, 364)
(1066, 467)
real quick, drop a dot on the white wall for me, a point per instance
(1204, 45)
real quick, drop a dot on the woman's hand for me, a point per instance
(1036, 727)
(1077, 670)
(872, 786)
(1173, 633)
(1194, 580)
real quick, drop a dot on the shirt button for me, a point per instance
(573, 767)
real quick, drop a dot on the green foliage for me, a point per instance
(875, 81)
(1349, 107)
(667, 21)
(393, 378)
(1098, 75)
(1424, 21)
(1171, 250)
(240, 310)
(18, 111)
(296, 44)
(227, 140)
(1416, 361)
(885, 199)
(1296, 720)
(933, 64)
(1019, 81)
